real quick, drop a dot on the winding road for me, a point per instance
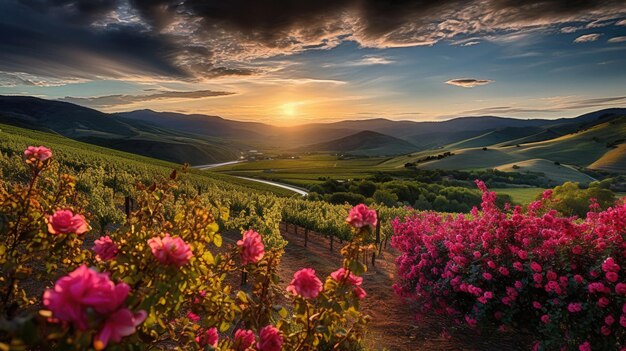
(299, 191)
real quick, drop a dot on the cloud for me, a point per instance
(196, 40)
(116, 100)
(470, 43)
(368, 60)
(468, 82)
(587, 38)
(621, 23)
(569, 29)
(617, 40)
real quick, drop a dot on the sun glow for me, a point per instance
(289, 109)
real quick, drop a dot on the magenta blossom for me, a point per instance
(170, 250)
(83, 292)
(270, 339)
(244, 339)
(105, 248)
(119, 324)
(251, 246)
(305, 283)
(207, 337)
(40, 153)
(340, 275)
(361, 216)
(65, 222)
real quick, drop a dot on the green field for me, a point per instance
(520, 196)
(306, 170)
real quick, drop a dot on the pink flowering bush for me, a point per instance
(559, 277)
(160, 277)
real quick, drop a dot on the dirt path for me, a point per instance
(393, 326)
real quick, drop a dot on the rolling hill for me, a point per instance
(367, 143)
(95, 127)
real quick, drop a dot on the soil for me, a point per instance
(394, 326)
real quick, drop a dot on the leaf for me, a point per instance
(208, 257)
(217, 240)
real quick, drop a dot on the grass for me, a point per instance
(522, 196)
(306, 170)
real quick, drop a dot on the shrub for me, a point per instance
(159, 279)
(558, 277)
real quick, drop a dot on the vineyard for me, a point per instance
(107, 250)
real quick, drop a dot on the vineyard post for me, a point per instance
(331, 243)
(127, 206)
(295, 229)
(306, 236)
(244, 277)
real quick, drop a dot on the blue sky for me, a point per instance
(558, 62)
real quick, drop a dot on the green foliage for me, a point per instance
(569, 199)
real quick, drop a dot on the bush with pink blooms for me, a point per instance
(161, 278)
(560, 278)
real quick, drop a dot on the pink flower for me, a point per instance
(170, 250)
(81, 289)
(83, 292)
(305, 283)
(536, 267)
(536, 305)
(487, 276)
(105, 248)
(119, 324)
(65, 222)
(622, 321)
(244, 339)
(193, 317)
(207, 337)
(609, 320)
(356, 281)
(574, 307)
(545, 319)
(251, 246)
(606, 331)
(620, 288)
(584, 346)
(40, 153)
(270, 339)
(361, 216)
(611, 276)
(603, 302)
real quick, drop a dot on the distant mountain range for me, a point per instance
(202, 139)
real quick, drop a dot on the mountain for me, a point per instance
(367, 143)
(95, 127)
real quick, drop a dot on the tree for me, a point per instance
(385, 197)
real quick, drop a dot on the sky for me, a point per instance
(289, 62)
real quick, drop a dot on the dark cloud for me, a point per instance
(468, 82)
(198, 39)
(115, 100)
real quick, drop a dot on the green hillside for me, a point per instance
(79, 155)
(95, 127)
(556, 172)
(366, 143)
